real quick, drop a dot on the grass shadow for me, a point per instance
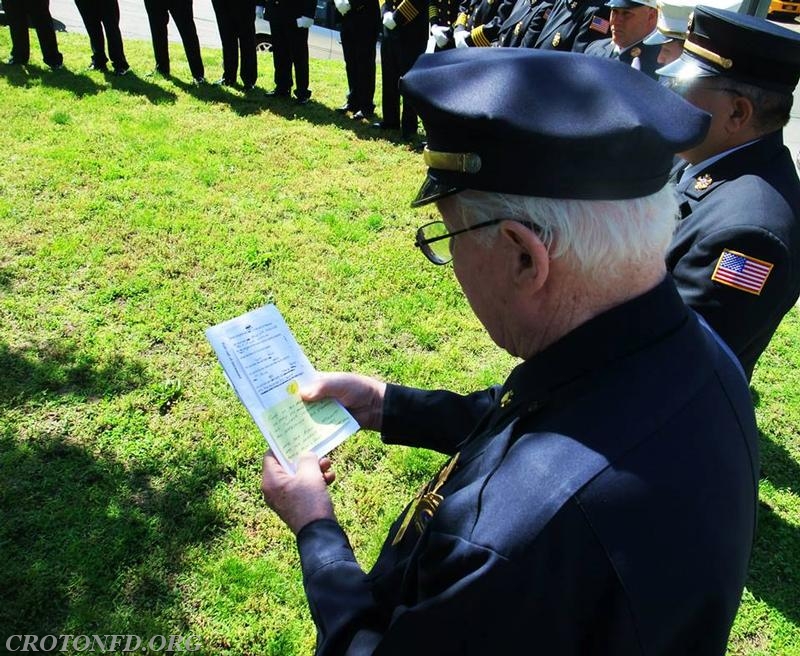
(775, 565)
(79, 85)
(57, 368)
(134, 85)
(93, 545)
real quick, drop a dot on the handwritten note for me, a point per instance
(266, 367)
(298, 426)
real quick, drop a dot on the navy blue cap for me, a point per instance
(738, 46)
(545, 123)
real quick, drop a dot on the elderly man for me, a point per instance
(631, 22)
(736, 253)
(603, 500)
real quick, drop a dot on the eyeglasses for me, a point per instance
(437, 244)
(683, 87)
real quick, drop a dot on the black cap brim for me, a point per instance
(432, 190)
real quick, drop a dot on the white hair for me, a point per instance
(593, 234)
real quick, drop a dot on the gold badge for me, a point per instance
(556, 39)
(703, 182)
(507, 397)
(517, 28)
(636, 52)
(425, 504)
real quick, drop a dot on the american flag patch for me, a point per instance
(599, 25)
(741, 271)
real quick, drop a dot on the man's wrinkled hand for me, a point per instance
(300, 499)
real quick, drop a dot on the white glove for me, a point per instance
(304, 22)
(342, 6)
(388, 20)
(460, 38)
(440, 35)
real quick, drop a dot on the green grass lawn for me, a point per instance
(134, 213)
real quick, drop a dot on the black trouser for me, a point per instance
(158, 13)
(400, 48)
(359, 36)
(99, 16)
(290, 48)
(237, 31)
(17, 13)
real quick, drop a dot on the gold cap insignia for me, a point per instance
(636, 52)
(556, 39)
(507, 398)
(517, 28)
(461, 162)
(703, 182)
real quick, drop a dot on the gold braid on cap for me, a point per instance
(707, 54)
(461, 162)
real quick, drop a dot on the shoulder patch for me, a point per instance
(599, 24)
(741, 272)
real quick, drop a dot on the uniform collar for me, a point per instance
(591, 348)
(720, 168)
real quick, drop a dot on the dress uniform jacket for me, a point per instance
(524, 23)
(573, 25)
(290, 44)
(639, 55)
(400, 48)
(604, 504)
(483, 20)
(747, 203)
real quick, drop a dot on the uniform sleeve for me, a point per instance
(740, 317)
(436, 420)
(465, 597)
(408, 10)
(594, 26)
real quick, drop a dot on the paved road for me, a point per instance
(134, 24)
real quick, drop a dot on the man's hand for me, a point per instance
(300, 499)
(441, 35)
(460, 38)
(361, 395)
(305, 22)
(388, 20)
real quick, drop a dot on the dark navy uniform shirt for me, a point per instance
(604, 503)
(640, 55)
(735, 256)
(571, 25)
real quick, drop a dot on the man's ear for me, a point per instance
(529, 260)
(740, 115)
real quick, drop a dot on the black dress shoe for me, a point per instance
(381, 125)
(123, 70)
(14, 61)
(222, 82)
(278, 93)
(345, 108)
(361, 115)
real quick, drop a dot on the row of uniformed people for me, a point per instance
(235, 19)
